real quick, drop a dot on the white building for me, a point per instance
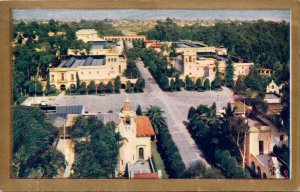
(135, 152)
(87, 35)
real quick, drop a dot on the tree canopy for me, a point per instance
(34, 155)
(96, 148)
(219, 136)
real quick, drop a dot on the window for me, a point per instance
(281, 137)
(89, 72)
(261, 147)
(97, 72)
(273, 171)
(190, 59)
(133, 157)
(72, 77)
(81, 73)
(127, 120)
(264, 175)
(253, 165)
(108, 59)
(120, 69)
(122, 162)
(52, 77)
(62, 76)
(193, 59)
(141, 153)
(115, 59)
(272, 86)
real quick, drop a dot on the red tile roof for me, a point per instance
(149, 41)
(143, 126)
(155, 45)
(277, 107)
(145, 176)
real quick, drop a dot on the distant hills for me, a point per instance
(154, 14)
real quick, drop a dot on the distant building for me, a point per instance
(100, 68)
(100, 48)
(87, 35)
(241, 67)
(199, 47)
(203, 65)
(271, 98)
(124, 37)
(265, 71)
(273, 88)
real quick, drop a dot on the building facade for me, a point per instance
(258, 150)
(87, 35)
(101, 68)
(205, 66)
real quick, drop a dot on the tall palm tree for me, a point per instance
(209, 114)
(156, 117)
(229, 111)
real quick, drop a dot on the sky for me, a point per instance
(150, 14)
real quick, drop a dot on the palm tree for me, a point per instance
(209, 114)
(158, 121)
(229, 111)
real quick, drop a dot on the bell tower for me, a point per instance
(128, 117)
(127, 129)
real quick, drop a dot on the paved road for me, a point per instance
(175, 105)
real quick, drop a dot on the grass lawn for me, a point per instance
(158, 161)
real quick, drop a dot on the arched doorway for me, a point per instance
(72, 86)
(141, 153)
(258, 172)
(62, 87)
(123, 86)
(53, 88)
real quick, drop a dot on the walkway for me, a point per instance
(66, 146)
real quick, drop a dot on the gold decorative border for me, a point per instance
(7, 184)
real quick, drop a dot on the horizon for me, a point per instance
(149, 14)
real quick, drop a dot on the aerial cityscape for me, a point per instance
(151, 94)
